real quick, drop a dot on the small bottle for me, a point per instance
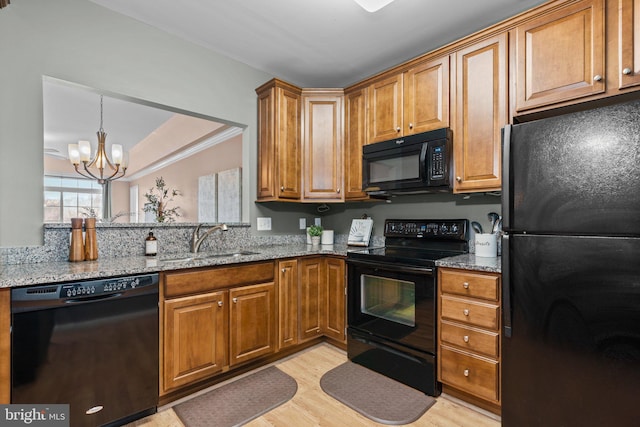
(151, 245)
(76, 244)
(90, 239)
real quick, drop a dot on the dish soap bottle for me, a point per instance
(151, 245)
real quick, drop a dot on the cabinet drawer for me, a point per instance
(470, 284)
(194, 281)
(471, 312)
(471, 374)
(470, 339)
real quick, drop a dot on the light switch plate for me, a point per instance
(303, 223)
(317, 221)
(264, 223)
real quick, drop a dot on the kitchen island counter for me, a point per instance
(14, 275)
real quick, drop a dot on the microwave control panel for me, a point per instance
(437, 161)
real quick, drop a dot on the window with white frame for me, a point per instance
(66, 198)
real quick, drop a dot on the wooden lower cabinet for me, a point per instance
(287, 303)
(195, 338)
(309, 291)
(333, 300)
(469, 335)
(5, 346)
(252, 324)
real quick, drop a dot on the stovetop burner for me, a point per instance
(418, 242)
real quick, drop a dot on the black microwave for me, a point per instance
(414, 164)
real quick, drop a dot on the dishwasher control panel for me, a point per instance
(106, 286)
(32, 297)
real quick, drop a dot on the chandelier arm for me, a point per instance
(117, 170)
(90, 176)
(88, 171)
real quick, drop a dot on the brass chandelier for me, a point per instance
(100, 167)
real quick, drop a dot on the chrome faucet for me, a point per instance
(196, 239)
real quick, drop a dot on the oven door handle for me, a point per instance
(394, 267)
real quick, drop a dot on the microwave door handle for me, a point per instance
(424, 169)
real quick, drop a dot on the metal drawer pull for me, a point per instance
(465, 338)
(465, 311)
(597, 78)
(284, 270)
(465, 285)
(219, 303)
(626, 71)
(235, 300)
(466, 372)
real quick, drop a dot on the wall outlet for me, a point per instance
(317, 221)
(303, 223)
(264, 224)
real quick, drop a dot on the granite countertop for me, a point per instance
(472, 262)
(15, 275)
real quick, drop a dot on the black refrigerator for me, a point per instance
(571, 270)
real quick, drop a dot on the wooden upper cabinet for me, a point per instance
(629, 43)
(354, 139)
(279, 141)
(480, 113)
(385, 109)
(560, 56)
(322, 144)
(426, 96)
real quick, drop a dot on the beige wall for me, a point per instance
(183, 176)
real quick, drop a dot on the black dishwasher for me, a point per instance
(90, 344)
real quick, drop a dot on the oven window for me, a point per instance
(394, 168)
(387, 298)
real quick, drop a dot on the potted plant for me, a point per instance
(157, 199)
(315, 231)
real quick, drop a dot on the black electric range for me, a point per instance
(391, 299)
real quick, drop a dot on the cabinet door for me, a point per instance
(481, 112)
(287, 303)
(266, 145)
(355, 120)
(333, 299)
(385, 109)
(252, 318)
(560, 56)
(426, 96)
(322, 148)
(5, 346)
(195, 338)
(629, 42)
(288, 147)
(310, 296)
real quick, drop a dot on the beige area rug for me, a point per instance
(239, 402)
(375, 396)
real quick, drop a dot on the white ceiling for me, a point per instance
(319, 43)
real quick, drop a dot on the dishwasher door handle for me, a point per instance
(92, 299)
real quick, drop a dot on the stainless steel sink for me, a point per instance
(229, 254)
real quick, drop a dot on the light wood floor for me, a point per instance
(312, 407)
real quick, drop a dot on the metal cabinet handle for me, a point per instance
(338, 191)
(219, 303)
(398, 129)
(410, 125)
(282, 188)
(235, 300)
(626, 71)
(597, 77)
(465, 285)
(284, 270)
(465, 311)
(466, 372)
(458, 179)
(465, 338)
